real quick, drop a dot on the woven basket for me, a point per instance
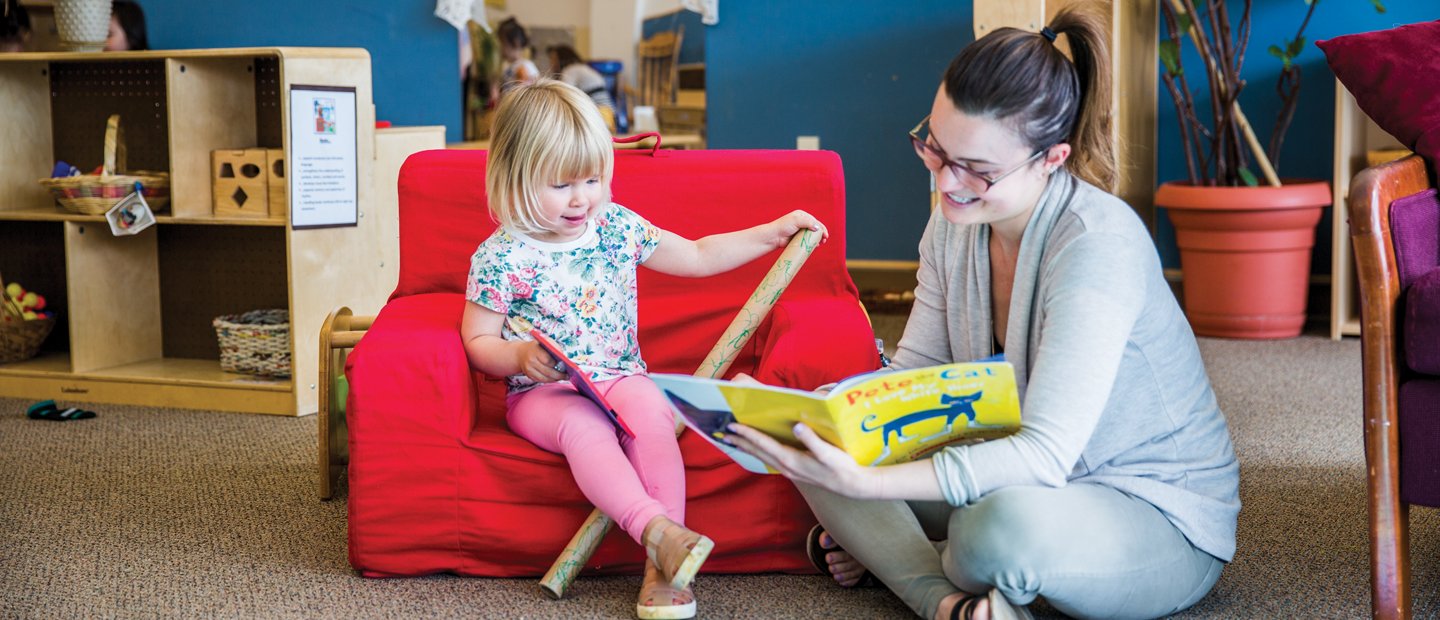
(255, 342)
(21, 340)
(91, 194)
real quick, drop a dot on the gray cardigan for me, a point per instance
(1112, 387)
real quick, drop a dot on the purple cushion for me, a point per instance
(1415, 230)
(1420, 442)
(1422, 324)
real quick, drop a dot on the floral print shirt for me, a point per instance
(580, 293)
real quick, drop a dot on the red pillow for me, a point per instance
(1395, 77)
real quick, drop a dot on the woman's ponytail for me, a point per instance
(1093, 157)
(1023, 78)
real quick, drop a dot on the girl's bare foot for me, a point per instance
(677, 551)
(659, 601)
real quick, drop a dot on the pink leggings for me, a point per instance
(633, 480)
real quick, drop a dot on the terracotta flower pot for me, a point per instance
(1245, 255)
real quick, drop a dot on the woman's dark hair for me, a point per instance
(15, 21)
(132, 21)
(511, 33)
(564, 57)
(1022, 79)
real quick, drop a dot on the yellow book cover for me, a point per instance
(879, 418)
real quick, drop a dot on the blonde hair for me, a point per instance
(544, 132)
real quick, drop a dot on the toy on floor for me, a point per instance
(47, 410)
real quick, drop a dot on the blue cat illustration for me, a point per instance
(712, 421)
(953, 407)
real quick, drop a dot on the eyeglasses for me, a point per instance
(934, 158)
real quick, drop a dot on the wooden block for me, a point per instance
(279, 183)
(241, 183)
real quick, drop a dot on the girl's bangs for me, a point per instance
(575, 154)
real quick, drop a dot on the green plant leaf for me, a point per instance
(1183, 21)
(1379, 6)
(1281, 54)
(1295, 47)
(1170, 55)
(1248, 177)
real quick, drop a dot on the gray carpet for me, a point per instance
(180, 514)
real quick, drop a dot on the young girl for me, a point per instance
(517, 69)
(564, 258)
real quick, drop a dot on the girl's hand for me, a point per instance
(536, 363)
(794, 222)
(824, 465)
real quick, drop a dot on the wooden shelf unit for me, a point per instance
(135, 311)
(1355, 135)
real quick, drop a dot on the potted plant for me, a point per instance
(1245, 239)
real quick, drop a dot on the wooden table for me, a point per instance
(681, 141)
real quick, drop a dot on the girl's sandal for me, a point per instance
(677, 551)
(659, 601)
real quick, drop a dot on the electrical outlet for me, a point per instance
(807, 143)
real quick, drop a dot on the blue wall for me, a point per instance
(858, 77)
(414, 56)
(1310, 142)
(692, 44)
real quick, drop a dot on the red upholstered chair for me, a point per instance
(437, 483)
(1395, 228)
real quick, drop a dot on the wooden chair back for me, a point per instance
(659, 58)
(1371, 193)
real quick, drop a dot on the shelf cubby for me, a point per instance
(135, 311)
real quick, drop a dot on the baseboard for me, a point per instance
(883, 275)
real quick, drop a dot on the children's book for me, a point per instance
(880, 418)
(578, 378)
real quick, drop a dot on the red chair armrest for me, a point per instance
(812, 342)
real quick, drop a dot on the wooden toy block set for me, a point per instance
(249, 182)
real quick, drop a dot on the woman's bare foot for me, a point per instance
(979, 606)
(676, 550)
(659, 601)
(846, 570)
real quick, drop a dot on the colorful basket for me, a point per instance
(91, 194)
(255, 342)
(20, 339)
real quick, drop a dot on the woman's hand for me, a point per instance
(794, 222)
(536, 362)
(825, 465)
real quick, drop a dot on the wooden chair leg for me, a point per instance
(340, 333)
(1390, 561)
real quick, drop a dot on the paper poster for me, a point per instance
(323, 152)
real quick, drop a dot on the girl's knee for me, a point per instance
(643, 408)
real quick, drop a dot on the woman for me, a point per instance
(566, 63)
(1119, 495)
(127, 28)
